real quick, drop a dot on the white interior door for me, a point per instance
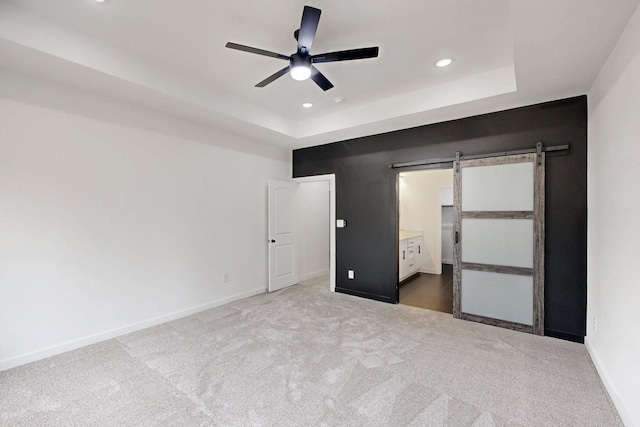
(499, 248)
(283, 269)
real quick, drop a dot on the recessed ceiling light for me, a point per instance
(100, 1)
(307, 105)
(443, 62)
(339, 99)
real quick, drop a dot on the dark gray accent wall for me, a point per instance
(366, 197)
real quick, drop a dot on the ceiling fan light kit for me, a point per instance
(300, 68)
(300, 72)
(301, 63)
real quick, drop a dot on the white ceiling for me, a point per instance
(170, 56)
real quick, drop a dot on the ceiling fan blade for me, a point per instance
(346, 55)
(320, 79)
(308, 28)
(273, 77)
(250, 49)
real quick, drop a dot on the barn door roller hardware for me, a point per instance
(442, 162)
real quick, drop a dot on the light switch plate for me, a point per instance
(351, 274)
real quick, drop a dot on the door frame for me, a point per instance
(406, 169)
(331, 178)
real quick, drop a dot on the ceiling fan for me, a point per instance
(301, 63)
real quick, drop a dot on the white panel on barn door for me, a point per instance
(511, 241)
(501, 187)
(506, 296)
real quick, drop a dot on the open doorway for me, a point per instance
(316, 218)
(426, 239)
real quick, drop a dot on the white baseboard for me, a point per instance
(308, 276)
(103, 336)
(608, 384)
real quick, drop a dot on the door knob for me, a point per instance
(272, 241)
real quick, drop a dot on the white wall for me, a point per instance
(313, 229)
(447, 234)
(107, 228)
(420, 209)
(614, 220)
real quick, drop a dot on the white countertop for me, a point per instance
(408, 234)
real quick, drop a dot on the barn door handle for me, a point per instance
(456, 238)
(402, 254)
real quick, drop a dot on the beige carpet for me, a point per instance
(304, 356)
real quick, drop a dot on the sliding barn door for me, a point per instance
(499, 241)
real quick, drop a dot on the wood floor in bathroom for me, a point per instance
(432, 291)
